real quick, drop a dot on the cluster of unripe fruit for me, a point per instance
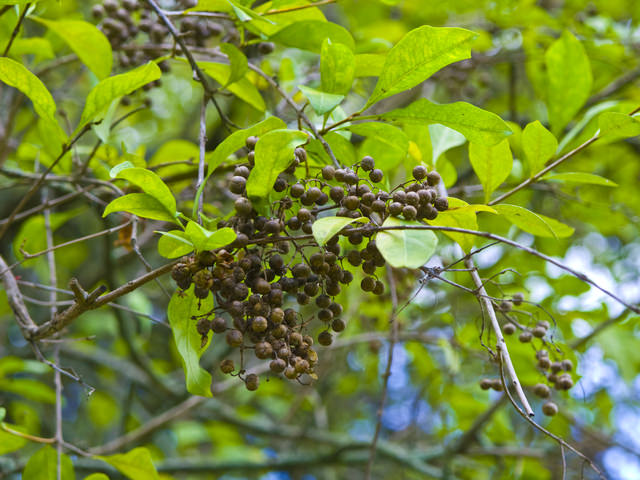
(556, 372)
(273, 265)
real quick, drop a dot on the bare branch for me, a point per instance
(393, 339)
(503, 351)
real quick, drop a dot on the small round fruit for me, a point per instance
(227, 366)
(517, 298)
(325, 338)
(367, 163)
(549, 409)
(506, 306)
(376, 175)
(252, 382)
(278, 365)
(542, 390)
(433, 178)
(419, 172)
(567, 365)
(509, 329)
(539, 332)
(486, 383)
(525, 337)
(234, 338)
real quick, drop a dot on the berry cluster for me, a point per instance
(555, 371)
(132, 29)
(271, 266)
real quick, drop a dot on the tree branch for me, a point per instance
(503, 351)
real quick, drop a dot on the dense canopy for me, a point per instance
(317, 240)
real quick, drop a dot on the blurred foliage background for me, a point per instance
(437, 422)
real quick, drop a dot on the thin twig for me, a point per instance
(503, 351)
(299, 111)
(393, 339)
(545, 170)
(201, 163)
(64, 318)
(34, 188)
(15, 31)
(210, 91)
(545, 431)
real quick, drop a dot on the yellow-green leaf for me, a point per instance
(337, 67)
(580, 177)
(534, 223)
(140, 204)
(101, 96)
(87, 42)
(539, 145)
(136, 464)
(183, 306)
(325, 228)
(569, 80)
(43, 465)
(242, 88)
(273, 154)
(418, 55)
(321, 102)
(405, 248)
(616, 126)
(477, 125)
(491, 164)
(16, 75)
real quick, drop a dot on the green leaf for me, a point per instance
(238, 62)
(321, 102)
(325, 228)
(368, 64)
(387, 144)
(491, 164)
(151, 184)
(569, 80)
(43, 466)
(273, 154)
(476, 124)
(310, 35)
(142, 205)
(3, 413)
(97, 476)
(17, 2)
(28, 388)
(136, 464)
(616, 126)
(337, 67)
(16, 75)
(461, 215)
(86, 41)
(406, 248)
(539, 145)
(10, 442)
(174, 244)
(204, 239)
(31, 238)
(38, 46)
(101, 96)
(182, 307)
(418, 55)
(443, 139)
(534, 223)
(580, 177)
(242, 88)
(233, 143)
